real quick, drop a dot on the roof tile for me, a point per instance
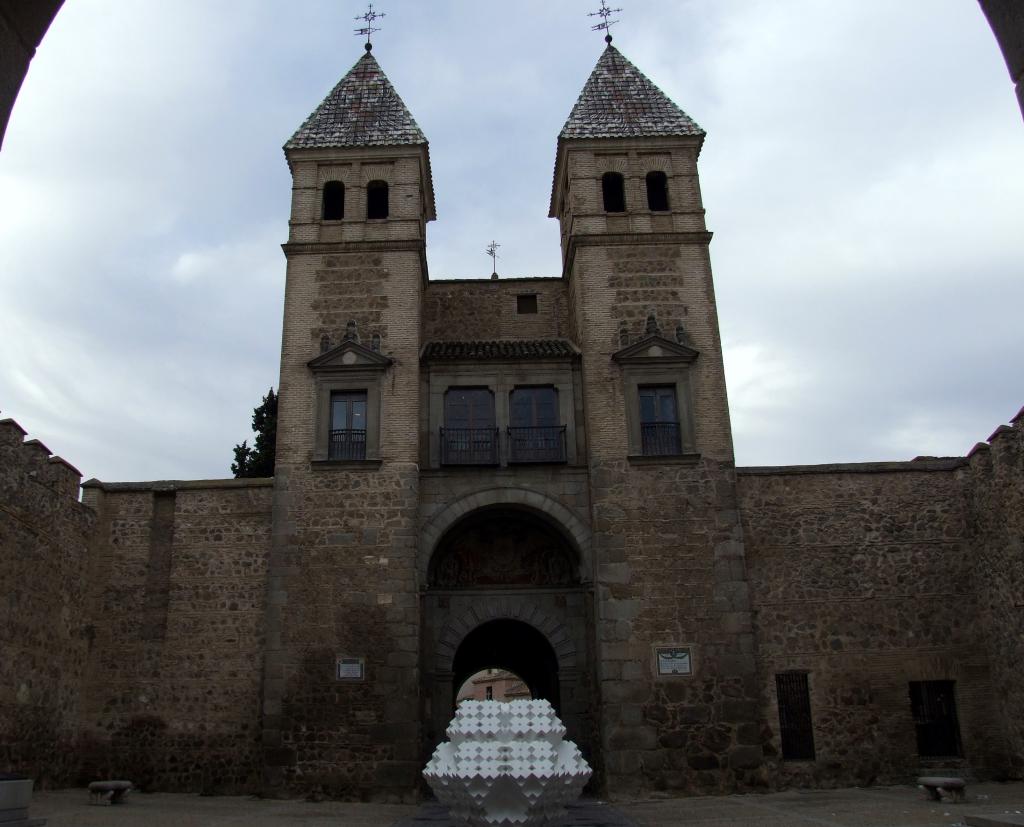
(503, 349)
(362, 110)
(619, 101)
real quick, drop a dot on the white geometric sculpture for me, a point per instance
(506, 765)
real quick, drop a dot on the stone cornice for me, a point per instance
(627, 239)
(326, 247)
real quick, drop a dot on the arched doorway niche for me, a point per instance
(524, 500)
(503, 548)
(504, 587)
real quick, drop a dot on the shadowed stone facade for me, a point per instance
(531, 474)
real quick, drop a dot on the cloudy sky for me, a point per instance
(863, 175)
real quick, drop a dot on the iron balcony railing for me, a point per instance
(536, 444)
(348, 443)
(469, 446)
(659, 438)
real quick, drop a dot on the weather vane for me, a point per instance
(369, 28)
(604, 13)
(492, 251)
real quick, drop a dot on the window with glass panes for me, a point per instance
(535, 433)
(659, 420)
(348, 425)
(469, 435)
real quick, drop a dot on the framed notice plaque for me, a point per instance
(350, 669)
(673, 660)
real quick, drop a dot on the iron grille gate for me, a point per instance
(795, 716)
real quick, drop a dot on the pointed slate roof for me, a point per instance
(619, 101)
(362, 110)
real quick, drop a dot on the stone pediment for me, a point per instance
(349, 356)
(655, 350)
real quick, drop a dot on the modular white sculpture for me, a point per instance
(506, 765)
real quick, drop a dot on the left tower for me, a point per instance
(342, 624)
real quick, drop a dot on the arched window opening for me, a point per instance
(334, 201)
(493, 684)
(377, 199)
(613, 188)
(657, 191)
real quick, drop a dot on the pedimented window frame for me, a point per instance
(348, 367)
(655, 360)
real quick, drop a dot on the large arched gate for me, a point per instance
(506, 588)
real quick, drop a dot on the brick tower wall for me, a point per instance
(342, 579)
(668, 543)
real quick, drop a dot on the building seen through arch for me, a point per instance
(530, 477)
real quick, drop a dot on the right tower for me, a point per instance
(677, 668)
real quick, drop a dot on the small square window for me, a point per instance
(526, 303)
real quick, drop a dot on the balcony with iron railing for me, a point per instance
(469, 446)
(536, 444)
(659, 439)
(347, 444)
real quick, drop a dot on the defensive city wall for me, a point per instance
(132, 623)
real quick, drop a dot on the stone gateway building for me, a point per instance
(532, 475)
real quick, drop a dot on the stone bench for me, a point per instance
(934, 786)
(108, 792)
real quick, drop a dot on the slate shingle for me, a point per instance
(504, 349)
(619, 101)
(362, 110)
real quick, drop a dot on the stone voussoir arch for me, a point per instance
(503, 608)
(564, 519)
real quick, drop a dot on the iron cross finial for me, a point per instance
(604, 13)
(369, 28)
(492, 251)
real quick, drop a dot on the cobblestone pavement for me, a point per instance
(875, 807)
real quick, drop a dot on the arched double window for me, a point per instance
(377, 199)
(657, 191)
(613, 190)
(333, 202)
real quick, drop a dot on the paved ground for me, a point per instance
(875, 807)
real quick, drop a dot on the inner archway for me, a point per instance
(515, 647)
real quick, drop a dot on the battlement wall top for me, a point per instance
(920, 464)
(178, 485)
(31, 457)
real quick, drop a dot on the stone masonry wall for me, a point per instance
(171, 699)
(861, 576)
(44, 553)
(486, 309)
(994, 481)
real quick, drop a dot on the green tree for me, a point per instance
(258, 461)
